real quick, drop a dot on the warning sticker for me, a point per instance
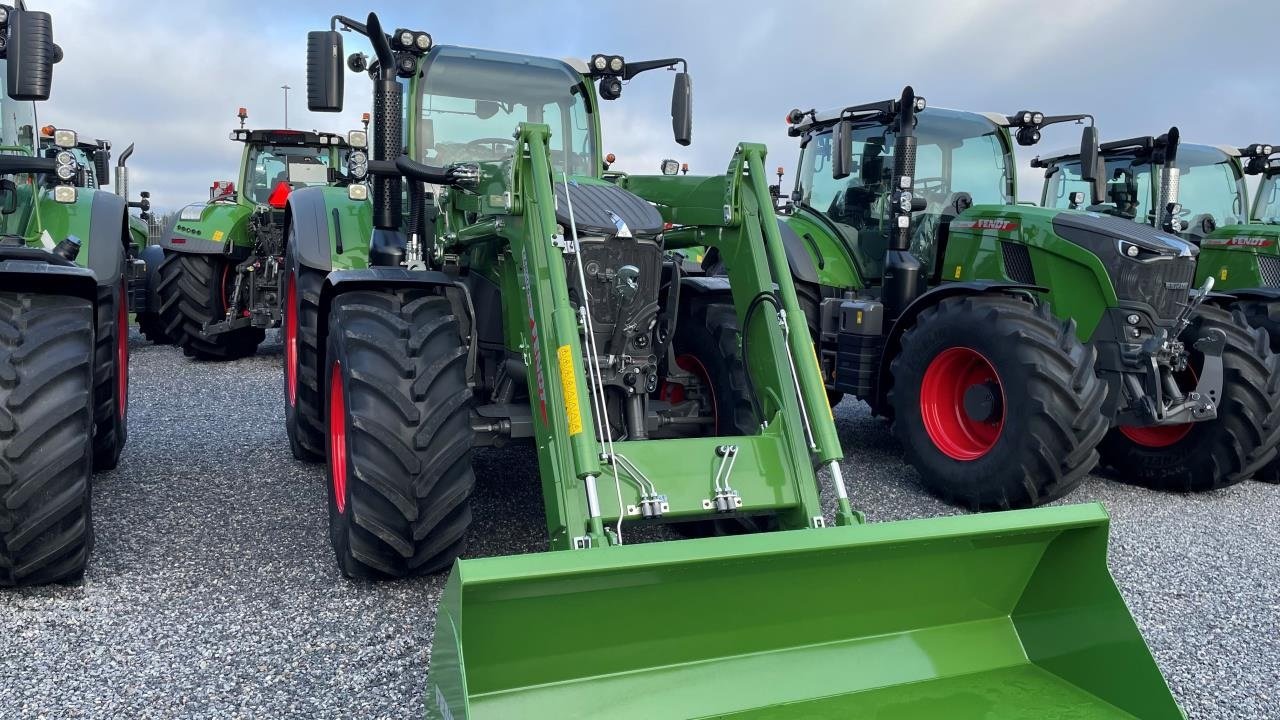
(569, 386)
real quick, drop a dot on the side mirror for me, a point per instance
(102, 165)
(324, 71)
(31, 53)
(8, 197)
(842, 150)
(1092, 167)
(682, 109)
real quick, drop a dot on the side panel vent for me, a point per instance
(1017, 262)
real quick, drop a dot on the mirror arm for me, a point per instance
(633, 69)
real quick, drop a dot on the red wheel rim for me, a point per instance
(122, 351)
(691, 363)
(1155, 436)
(338, 437)
(291, 342)
(942, 408)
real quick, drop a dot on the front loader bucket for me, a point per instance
(1004, 615)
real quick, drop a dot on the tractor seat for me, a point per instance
(606, 210)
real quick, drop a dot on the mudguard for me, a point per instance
(152, 255)
(25, 269)
(312, 245)
(798, 257)
(97, 218)
(330, 231)
(220, 227)
(946, 290)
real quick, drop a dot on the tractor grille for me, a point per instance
(1269, 268)
(1017, 262)
(1164, 285)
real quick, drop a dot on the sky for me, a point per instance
(170, 76)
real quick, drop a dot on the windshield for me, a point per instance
(1128, 187)
(1267, 209)
(270, 165)
(472, 101)
(1210, 184)
(956, 152)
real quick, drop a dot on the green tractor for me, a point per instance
(218, 285)
(1198, 192)
(65, 273)
(942, 303)
(93, 164)
(519, 296)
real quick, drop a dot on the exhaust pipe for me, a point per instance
(122, 173)
(1165, 156)
(901, 268)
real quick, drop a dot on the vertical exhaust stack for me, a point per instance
(901, 268)
(122, 173)
(1166, 156)
(387, 142)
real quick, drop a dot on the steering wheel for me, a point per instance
(935, 186)
(498, 146)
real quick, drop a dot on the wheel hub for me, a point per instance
(962, 404)
(983, 402)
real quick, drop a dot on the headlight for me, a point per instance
(358, 164)
(904, 201)
(600, 63)
(191, 212)
(358, 191)
(358, 138)
(65, 157)
(670, 167)
(64, 194)
(1037, 118)
(920, 104)
(406, 38)
(66, 172)
(64, 138)
(423, 41)
(4, 14)
(616, 64)
(1026, 118)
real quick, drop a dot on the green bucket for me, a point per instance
(1003, 615)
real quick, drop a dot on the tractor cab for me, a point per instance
(1266, 206)
(277, 162)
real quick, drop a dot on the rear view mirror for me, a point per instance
(324, 71)
(841, 150)
(102, 165)
(486, 109)
(682, 109)
(31, 54)
(1092, 169)
(8, 197)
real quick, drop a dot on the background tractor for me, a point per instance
(64, 353)
(521, 296)
(219, 284)
(1005, 339)
(93, 164)
(1199, 192)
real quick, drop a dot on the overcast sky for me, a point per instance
(169, 76)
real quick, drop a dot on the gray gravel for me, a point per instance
(212, 591)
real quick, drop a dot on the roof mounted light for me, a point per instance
(422, 41)
(406, 38)
(616, 64)
(65, 194)
(65, 138)
(599, 63)
(670, 167)
(358, 139)
(920, 104)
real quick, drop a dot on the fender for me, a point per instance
(798, 257)
(108, 237)
(219, 230)
(374, 278)
(893, 341)
(152, 255)
(312, 247)
(32, 270)
(698, 285)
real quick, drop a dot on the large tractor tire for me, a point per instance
(303, 409)
(193, 291)
(46, 424)
(996, 403)
(111, 376)
(399, 434)
(708, 344)
(1265, 316)
(1195, 457)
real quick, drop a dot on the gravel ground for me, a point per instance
(212, 591)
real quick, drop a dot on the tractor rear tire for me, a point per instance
(192, 293)
(46, 450)
(111, 377)
(1265, 316)
(303, 409)
(708, 344)
(152, 328)
(968, 355)
(1217, 453)
(399, 433)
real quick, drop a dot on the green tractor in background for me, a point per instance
(942, 303)
(93, 163)
(218, 286)
(1198, 192)
(65, 272)
(522, 297)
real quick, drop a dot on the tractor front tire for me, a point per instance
(111, 376)
(193, 291)
(399, 433)
(1265, 315)
(1217, 453)
(996, 402)
(46, 450)
(303, 409)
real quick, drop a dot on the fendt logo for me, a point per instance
(1239, 241)
(1177, 286)
(997, 224)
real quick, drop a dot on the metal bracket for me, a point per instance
(582, 543)
(817, 521)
